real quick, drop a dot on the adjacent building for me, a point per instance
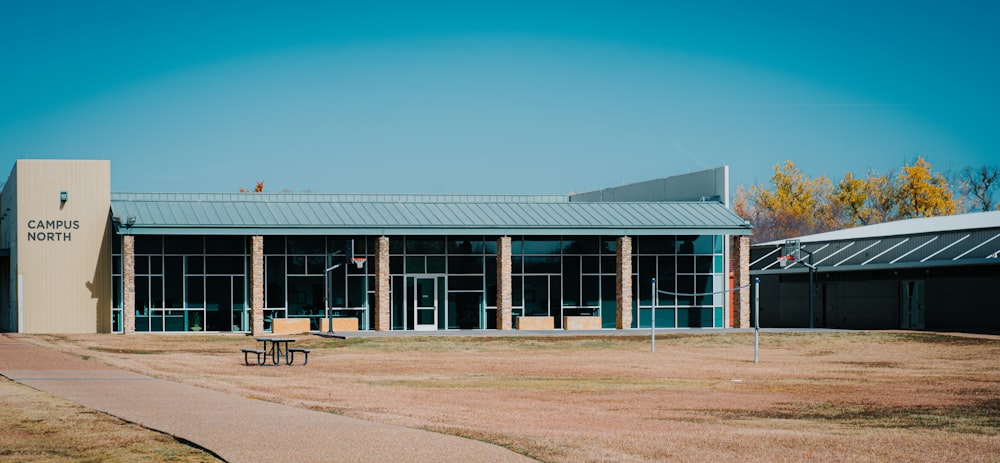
(935, 273)
(77, 258)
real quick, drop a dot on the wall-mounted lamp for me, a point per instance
(131, 220)
(63, 196)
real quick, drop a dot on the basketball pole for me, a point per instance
(652, 321)
(756, 319)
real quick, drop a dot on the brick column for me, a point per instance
(128, 284)
(623, 283)
(382, 300)
(257, 285)
(739, 255)
(504, 291)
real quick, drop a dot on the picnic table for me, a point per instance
(277, 350)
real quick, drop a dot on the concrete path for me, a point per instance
(235, 428)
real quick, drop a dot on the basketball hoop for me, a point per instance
(359, 262)
(785, 261)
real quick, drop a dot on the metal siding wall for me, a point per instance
(964, 302)
(862, 305)
(67, 284)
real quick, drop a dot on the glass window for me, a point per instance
(316, 265)
(156, 265)
(705, 244)
(685, 244)
(667, 267)
(490, 245)
(685, 264)
(654, 245)
(397, 246)
(436, 264)
(156, 292)
(415, 264)
(703, 286)
(609, 264)
(465, 265)
(356, 291)
(609, 245)
(465, 245)
(590, 264)
(540, 264)
(274, 244)
(686, 286)
(516, 264)
(581, 245)
(425, 245)
(142, 265)
(224, 245)
(395, 265)
(183, 245)
(540, 245)
(195, 265)
(224, 265)
(274, 268)
(469, 283)
(195, 291)
(173, 278)
(148, 244)
(703, 264)
(296, 265)
(306, 245)
(591, 286)
(536, 295)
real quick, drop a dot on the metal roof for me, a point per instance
(932, 241)
(299, 214)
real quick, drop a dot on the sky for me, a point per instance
(483, 97)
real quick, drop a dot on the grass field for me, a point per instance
(828, 396)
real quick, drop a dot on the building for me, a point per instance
(934, 273)
(80, 259)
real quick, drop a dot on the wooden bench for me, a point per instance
(293, 350)
(247, 352)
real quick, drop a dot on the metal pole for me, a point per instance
(652, 321)
(812, 269)
(756, 319)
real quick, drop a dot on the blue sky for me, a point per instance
(494, 97)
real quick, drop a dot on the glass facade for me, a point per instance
(444, 282)
(690, 277)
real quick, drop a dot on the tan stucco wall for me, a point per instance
(64, 247)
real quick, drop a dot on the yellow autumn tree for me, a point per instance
(922, 192)
(869, 200)
(794, 205)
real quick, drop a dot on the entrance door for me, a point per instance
(912, 306)
(424, 300)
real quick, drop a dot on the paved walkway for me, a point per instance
(235, 428)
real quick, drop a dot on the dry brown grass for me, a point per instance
(835, 396)
(35, 426)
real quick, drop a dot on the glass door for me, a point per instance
(424, 301)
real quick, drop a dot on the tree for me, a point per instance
(867, 201)
(797, 205)
(258, 189)
(978, 185)
(922, 192)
